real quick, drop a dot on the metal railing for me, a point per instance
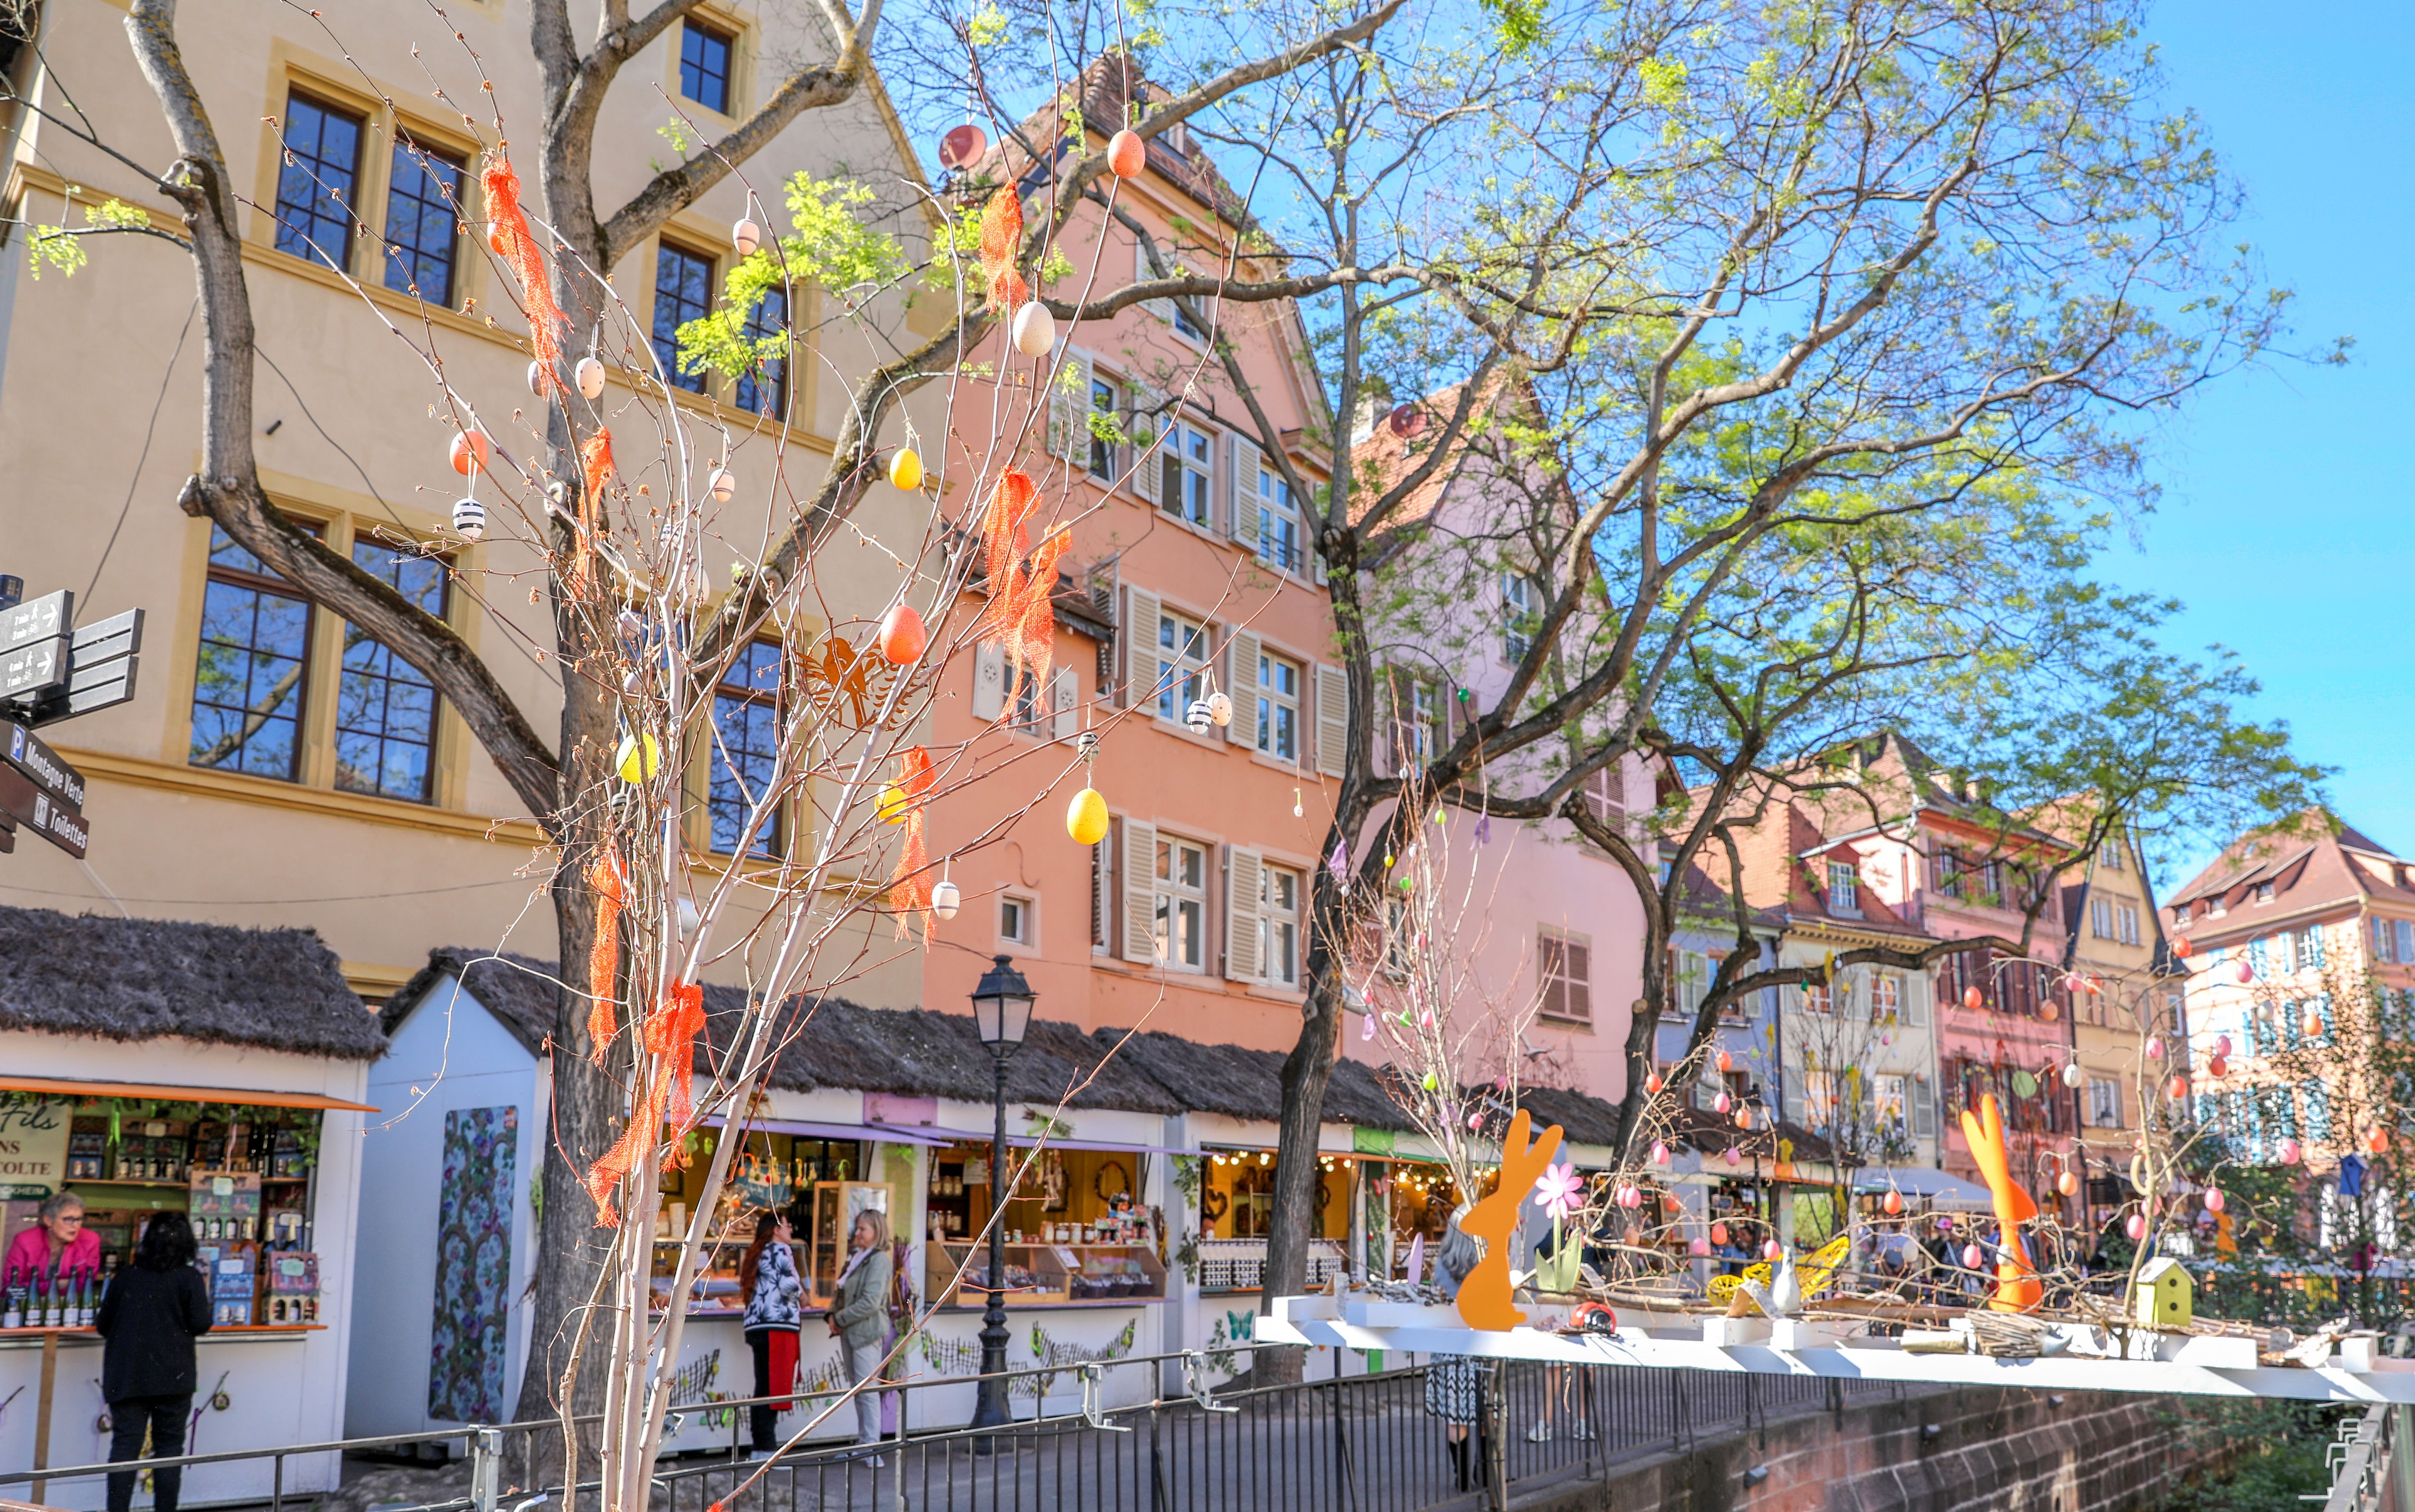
(1340, 1444)
(2363, 1463)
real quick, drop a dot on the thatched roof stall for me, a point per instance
(1240, 1083)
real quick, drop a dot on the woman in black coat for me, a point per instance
(148, 1319)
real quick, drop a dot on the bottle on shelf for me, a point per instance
(12, 1303)
(54, 1302)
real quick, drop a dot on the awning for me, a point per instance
(1939, 1188)
(239, 1096)
(812, 1131)
(924, 1135)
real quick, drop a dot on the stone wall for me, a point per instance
(1968, 1449)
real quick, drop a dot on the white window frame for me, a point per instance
(1845, 889)
(1887, 997)
(1025, 911)
(1175, 900)
(2104, 1098)
(1819, 1098)
(2109, 855)
(1101, 386)
(1187, 468)
(1279, 927)
(1273, 702)
(1517, 596)
(2126, 914)
(1569, 983)
(1182, 667)
(1275, 510)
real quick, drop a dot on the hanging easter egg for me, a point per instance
(1660, 1152)
(469, 451)
(1086, 818)
(2378, 1142)
(721, 485)
(906, 469)
(1722, 1103)
(1629, 1197)
(1744, 1118)
(1698, 1247)
(590, 376)
(1718, 1233)
(2073, 1076)
(2245, 973)
(1366, 1027)
(639, 757)
(895, 801)
(1972, 1257)
(2135, 1227)
(1199, 717)
(469, 518)
(746, 236)
(2214, 1200)
(2154, 1047)
(1727, 1062)
(1035, 329)
(1772, 1252)
(2024, 1085)
(1127, 154)
(1891, 1203)
(1736, 1157)
(1970, 998)
(2313, 1023)
(1431, 1084)
(2049, 1010)
(689, 916)
(2181, 946)
(946, 899)
(2289, 1152)
(536, 379)
(1652, 1084)
(2218, 1066)
(2178, 1090)
(2067, 1183)
(1219, 709)
(902, 636)
(2222, 1044)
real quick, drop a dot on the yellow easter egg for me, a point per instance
(633, 767)
(893, 806)
(1086, 818)
(906, 468)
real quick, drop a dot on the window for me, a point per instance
(1604, 794)
(1518, 600)
(1104, 401)
(1278, 523)
(248, 681)
(683, 293)
(1689, 980)
(317, 187)
(1029, 699)
(2100, 917)
(1183, 324)
(1182, 903)
(1887, 997)
(1279, 899)
(1819, 1098)
(386, 712)
(1278, 706)
(2105, 1103)
(1188, 460)
(1015, 920)
(2385, 941)
(1844, 889)
(1947, 868)
(746, 748)
(1564, 969)
(1890, 1104)
(1103, 884)
(764, 390)
(704, 67)
(1816, 998)
(1182, 665)
(422, 216)
(2263, 892)
(2129, 922)
(2109, 855)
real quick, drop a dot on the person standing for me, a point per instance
(767, 1276)
(860, 1318)
(149, 1317)
(1455, 1383)
(56, 1252)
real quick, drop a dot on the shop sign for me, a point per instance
(59, 823)
(33, 1143)
(26, 752)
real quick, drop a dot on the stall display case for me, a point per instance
(1075, 1229)
(810, 1179)
(1051, 1274)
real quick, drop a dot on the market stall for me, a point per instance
(153, 1066)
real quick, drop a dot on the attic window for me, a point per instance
(2263, 892)
(1844, 889)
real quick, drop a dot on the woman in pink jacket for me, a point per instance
(53, 1250)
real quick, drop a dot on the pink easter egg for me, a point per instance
(1972, 1257)
(1659, 1152)
(1699, 1246)
(2214, 1200)
(1722, 1103)
(2222, 1044)
(2154, 1047)
(2246, 973)
(1770, 1251)
(1734, 1158)
(2136, 1228)
(2289, 1152)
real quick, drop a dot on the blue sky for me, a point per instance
(2285, 525)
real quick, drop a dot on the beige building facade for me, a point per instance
(275, 767)
(2126, 991)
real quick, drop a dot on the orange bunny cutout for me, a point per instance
(2017, 1287)
(1484, 1296)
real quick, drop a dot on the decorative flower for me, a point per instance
(1560, 1191)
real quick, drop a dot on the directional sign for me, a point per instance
(34, 667)
(40, 619)
(120, 635)
(115, 687)
(25, 749)
(56, 822)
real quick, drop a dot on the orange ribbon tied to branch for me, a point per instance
(517, 245)
(1001, 244)
(1034, 644)
(603, 956)
(910, 890)
(595, 468)
(668, 1091)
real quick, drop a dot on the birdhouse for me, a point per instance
(2165, 1295)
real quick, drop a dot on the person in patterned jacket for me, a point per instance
(775, 1309)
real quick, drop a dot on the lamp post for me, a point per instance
(1003, 1014)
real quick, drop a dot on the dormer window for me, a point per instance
(1844, 889)
(2263, 892)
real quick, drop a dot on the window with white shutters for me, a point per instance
(1138, 866)
(1563, 972)
(2128, 915)
(1241, 464)
(1068, 409)
(1064, 704)
(2100, 917)
(1332, 720)
(1278, 706)
(1178, 902)
(1281, 893)
(989, 682)
(1139, 641)
(1106, 402)
(1187, 475)
(1924, 1108)
(1243, 945)
(1179, 674)
(1148, 462)
(1242, 654)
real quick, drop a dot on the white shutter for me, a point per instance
(1140, 646)
(1241, 662)
(1140, 892)
(989, 682)
(1242, 871)
(1143, 273)
(1147, 461)
(1332, 720)
(1064, 697)
(1923, 1109)
(1913, 999)
(1068, 406)
(1241, 499)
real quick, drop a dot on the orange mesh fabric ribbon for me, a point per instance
(909, 889)
(1001, 244)
(595, 474)
(669, 1091)
(523, 253)
(1034, 645)
(603, 956)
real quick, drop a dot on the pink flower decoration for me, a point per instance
(1365, 1025)
(1560, 1191)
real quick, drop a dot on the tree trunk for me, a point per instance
(1293, 1221)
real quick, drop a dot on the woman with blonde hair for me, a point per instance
(860, 1317)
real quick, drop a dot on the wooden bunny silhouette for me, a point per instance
(1484, 1297)
(2017, 1287)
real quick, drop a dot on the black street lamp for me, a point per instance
(1003, 1014)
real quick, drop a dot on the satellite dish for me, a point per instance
(963, 146)
(1407, 422)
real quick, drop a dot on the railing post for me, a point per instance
(486, 1468)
